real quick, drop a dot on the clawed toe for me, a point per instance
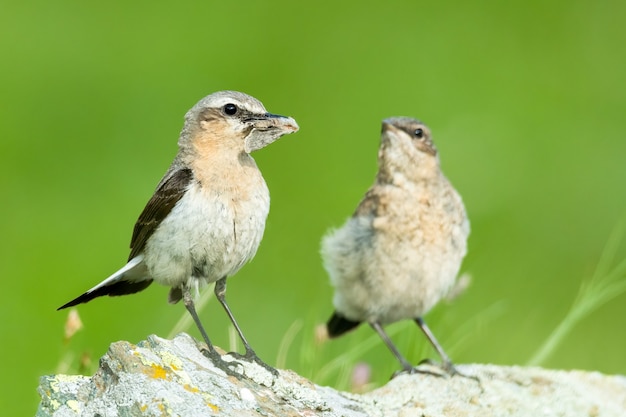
(451, 370)
(416, 370)
(218, 362)
(448, 370)
(250, 356)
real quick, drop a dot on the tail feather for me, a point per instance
(338, 325)
(120, 283)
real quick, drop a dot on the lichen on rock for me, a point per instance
(160, 377)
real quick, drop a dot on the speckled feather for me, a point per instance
(401, 251)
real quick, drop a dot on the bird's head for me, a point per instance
(235, 121)
(406, 147)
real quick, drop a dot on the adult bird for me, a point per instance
(207, 215)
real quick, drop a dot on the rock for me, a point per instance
(160, 377)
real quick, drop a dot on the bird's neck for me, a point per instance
(423, 170)
(225, 171)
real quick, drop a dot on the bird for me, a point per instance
(401, 250)
(207, 215)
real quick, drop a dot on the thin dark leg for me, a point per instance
(211, 353)
(446, 363)
(406, 366)
(220, 293)
(188, 301)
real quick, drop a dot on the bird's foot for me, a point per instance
(251, 356)
(412, 370)
(448, 368)
(226, 366)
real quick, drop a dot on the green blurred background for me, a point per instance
(527, 102)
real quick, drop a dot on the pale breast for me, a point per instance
(210, 233)
(419, 252)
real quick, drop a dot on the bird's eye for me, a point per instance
(230, 109)
(419, 133)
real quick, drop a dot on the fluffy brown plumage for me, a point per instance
(401, 251)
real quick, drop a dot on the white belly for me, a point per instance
(207, 236)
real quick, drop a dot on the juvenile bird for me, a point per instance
(207, 215)
(401, 250)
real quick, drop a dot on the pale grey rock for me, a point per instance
(160, 377)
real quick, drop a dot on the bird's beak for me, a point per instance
(268, 128)
(389, 133)
(388, 126)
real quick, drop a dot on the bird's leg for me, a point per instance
(446, 363)
(406, 366)
(188, 301)
(211, 353)
(250, 355)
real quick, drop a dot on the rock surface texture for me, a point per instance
(160, 377)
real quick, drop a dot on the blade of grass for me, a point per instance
(604, 285)
(286, 343)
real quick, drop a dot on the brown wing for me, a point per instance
(164, 199)
(369, 205)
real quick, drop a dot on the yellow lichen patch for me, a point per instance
(165, 409)
(172, 361)
(190, 388)
(73, 405)
(156, 371)
(213, 407)
(207, 400)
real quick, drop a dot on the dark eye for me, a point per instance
(230, 109)
(419, 133)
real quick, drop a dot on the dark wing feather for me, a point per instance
(117, 288)
(164, 199)
(167, 194)
(369, 205)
